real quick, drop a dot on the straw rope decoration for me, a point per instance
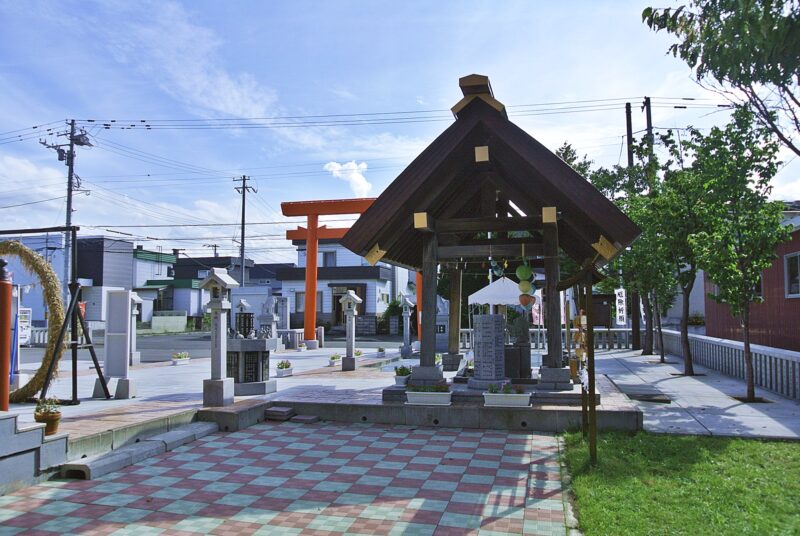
(51, 288)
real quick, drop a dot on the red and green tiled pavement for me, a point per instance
(325, 478)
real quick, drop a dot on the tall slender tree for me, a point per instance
(737, 164)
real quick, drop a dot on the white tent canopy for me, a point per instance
(502, 291)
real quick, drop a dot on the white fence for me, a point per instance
(604, 338)
(775, 369)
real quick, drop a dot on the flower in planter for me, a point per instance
(335, 357)
(358, 353)
(180, 355)
(402, 370)
(285, 364)
(47, 406)
(493, 388)
(519, 389)
(441, 388)
(381, 350)
(507, 389)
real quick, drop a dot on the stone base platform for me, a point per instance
(615, 411)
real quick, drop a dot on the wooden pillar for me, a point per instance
(455, 311)
(419, 306)
(590, 370)
(310, 315)
(429, 264)
(551, 276)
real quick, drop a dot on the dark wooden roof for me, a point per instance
(446, 182)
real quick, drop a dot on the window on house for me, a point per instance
(300, 302)
(329, 258)
(202, 274)
(791, 265)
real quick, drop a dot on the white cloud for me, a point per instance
(353, 174)
(182, 57)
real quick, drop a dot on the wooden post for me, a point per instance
(419, 306)
(310, 314)
(590, 366)
(551, 276)
(429, 265)
(455, 311)
(584, 394)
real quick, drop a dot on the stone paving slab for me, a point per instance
(702, 404)
(314, 479)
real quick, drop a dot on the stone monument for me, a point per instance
(406, 350)
(218, 390)
(489, 348)
(136, 356)
(117, 345)
(349, 304)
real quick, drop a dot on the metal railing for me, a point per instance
(775, 369)
(604, 338)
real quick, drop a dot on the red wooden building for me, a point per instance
(776, 321)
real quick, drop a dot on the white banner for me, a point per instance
(622, 317)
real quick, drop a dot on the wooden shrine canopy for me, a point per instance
(485, 174)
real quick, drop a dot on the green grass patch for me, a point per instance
(656, 484)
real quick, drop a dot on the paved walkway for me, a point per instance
(701, 405)
(321, 479)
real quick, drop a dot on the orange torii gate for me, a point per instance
(312, 233)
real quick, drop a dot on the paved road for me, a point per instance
(197, 344)
(324, 478)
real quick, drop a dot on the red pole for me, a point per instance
(310, 315)
(5, 335)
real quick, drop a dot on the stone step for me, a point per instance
(279, 413)
(17, 471)
(8, 423)
(27, 438)
(305, 419)
(53, 452)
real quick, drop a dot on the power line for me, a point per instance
(35, 202)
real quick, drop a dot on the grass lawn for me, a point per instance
(657, 484)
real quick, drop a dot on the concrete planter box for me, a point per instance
(381, 354)
(283, 372)
(401, 380)
(301, 348)
(503, 400)
(334, 362)
(428, 399)
(185, 361)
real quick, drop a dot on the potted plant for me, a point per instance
(47, 412)
(428, 395)
(438, 361)
(381, 352)
(507, 397)
(180, 358)
(284, 368)
(334, 359)
(301, 347)
(401, 375)
(358, 353)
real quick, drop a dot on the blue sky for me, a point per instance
(210, 60)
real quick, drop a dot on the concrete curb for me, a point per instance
(567, 493)
(102, 464)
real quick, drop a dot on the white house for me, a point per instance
(340, 270)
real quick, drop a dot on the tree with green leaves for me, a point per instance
(749, 50)
(737, 163)
(679, 211)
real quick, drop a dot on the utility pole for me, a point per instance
(649, 118)
(243, 190)
(213, 246)
(636, 334)
(81, 139)
(70, 176)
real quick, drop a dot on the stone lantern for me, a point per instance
(406, 351)
(218, 390)
(350, 306)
